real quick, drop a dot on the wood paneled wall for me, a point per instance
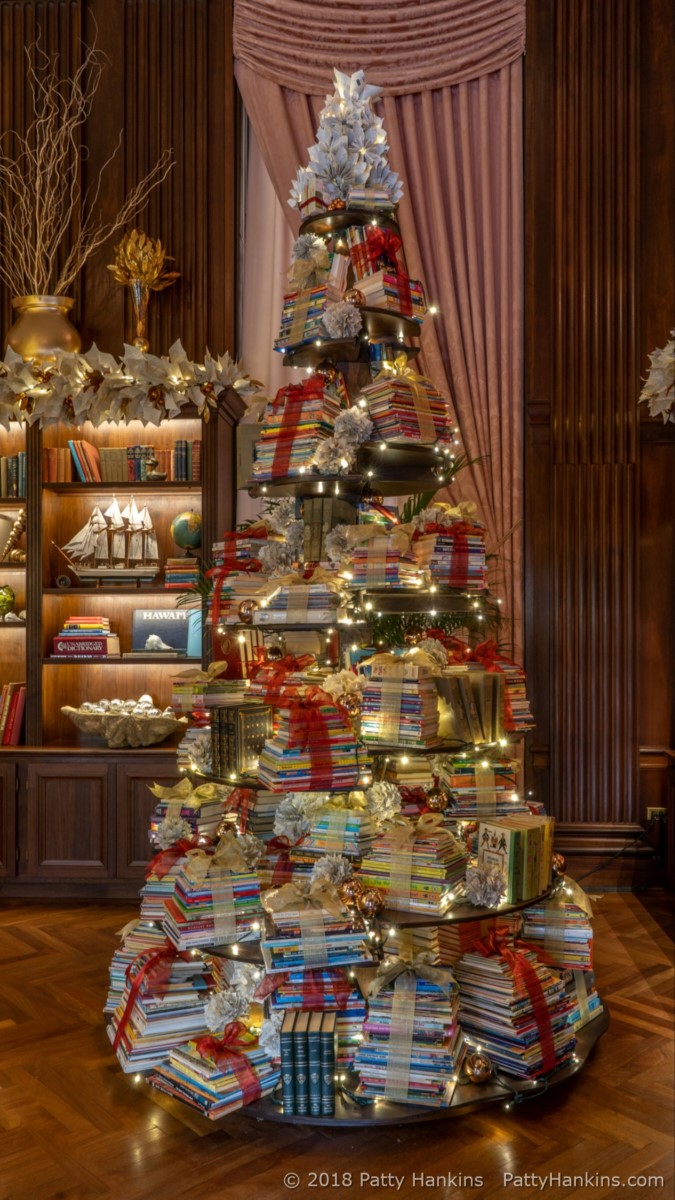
(168, 84)
(600, 294)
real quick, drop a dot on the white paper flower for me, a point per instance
(338, 547)
(268, 1038)
(659, 389)
(331, 868)
(171, 830)
(290, 820)
(251, 847)
(280, 514)
(342, 320)
(435, 649)
(485, 886)
(343, 683)
(231, 1004)
(384, 801)
(353, 424)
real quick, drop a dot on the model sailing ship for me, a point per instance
(118, 545)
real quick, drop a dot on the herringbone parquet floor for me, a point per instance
(72, 1127)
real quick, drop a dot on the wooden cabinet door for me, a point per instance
(135, 803)
(7, 819)
(70, 827)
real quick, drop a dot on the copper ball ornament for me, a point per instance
(559, 864)
(351, 704)
(477, 1067)
(274, 653)
(413, 635)
(246, 610)
(354, 296)
(437, 799)
(350, 893)
(327, 370)
(336, 206)
(370, 496)
(370, 903)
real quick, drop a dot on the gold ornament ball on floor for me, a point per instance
(246, 610)
(559, 864)
(437, 799)
(477, 1067)
(354, 296)
(350, 893)
(370, 903)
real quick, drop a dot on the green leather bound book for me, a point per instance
(287, 1063)
(328, 1055)
(314, 1063)
(301, 1057)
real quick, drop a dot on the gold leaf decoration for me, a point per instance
(142, 259)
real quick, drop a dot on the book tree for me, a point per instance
(353, 913)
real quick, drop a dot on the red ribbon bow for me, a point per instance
(229, 564)
(229, 1052)
(241, 801)
(487, 654)
(283, 869)
(381, 241)
(292, 400)
(495, 945)
(162, 863)
(275, 674)
(308, 728)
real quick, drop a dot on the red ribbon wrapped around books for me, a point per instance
(308, 729)
(496, 945)
(282, 846)
(318, 986)
(162, 863)
(487, 654)
(230, 1051)
(292, 400)
(155, 972)
(275, 674)
(231, 564)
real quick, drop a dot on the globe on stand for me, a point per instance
(186, 530)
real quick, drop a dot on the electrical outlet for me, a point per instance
(656, 814)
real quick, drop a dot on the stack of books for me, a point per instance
(143, 935)
(302, 317)
(400, 705)
(405, 411)
(308, 1063)
(348, 831)
(521, 847)
(370, 199)
(580, 989)
(13, 476)
(562, 930)
(12, 710)
(189, 916)
(447, 941)
(497, 1012)
(436, 1047)
(313, 748)
(86, 637)
(289, 938)
(181, 573)
(395, 293)
(475, 792)
(213, 1090)
(237, 587)
(298, 604)
(160, 1018)
(203, 816)
(455, 558)
(380, 563)
(155, 891)
(351, 1010)
(417, 875)
(517, 713)
(295, 422)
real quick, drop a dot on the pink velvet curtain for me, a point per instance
(450, 71)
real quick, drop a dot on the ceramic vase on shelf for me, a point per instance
(42, 327)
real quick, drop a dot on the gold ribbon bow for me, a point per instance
(420, 965)
(303, 897)
(399, 369)
(212, 672)
(403, 832)
(567, 892)
(396, 536)
(388, 665)
(228, 856)
(346, 801)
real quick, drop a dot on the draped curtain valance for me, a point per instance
(405, 47)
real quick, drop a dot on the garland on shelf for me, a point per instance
(97, 387)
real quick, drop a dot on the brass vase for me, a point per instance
(42, 328)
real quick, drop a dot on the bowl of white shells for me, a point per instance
(125, 722)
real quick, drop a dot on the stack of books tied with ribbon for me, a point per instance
(300, 417)
(450, 545)
(342, 826)
(162, 1005)
(417, 865)
(414, 1047)
(135, 938)
(405, 407)
(309, 927)
(481, 786)
(560, 927)
(381, 557)
(401, 704)
(313, 746)
(296, 600)
(302, 317)
(216, 898)
(217, 1076)
(515, 1008)
(200, 807)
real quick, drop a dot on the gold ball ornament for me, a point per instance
(354, 296)
(327, 370)
(350, 893)
(351, 704)
(437, 799)
(413, 635)
(559, 864)
(371, 903)
(370, 496)
(274, 653)
(246, 610)
(336, 206)
(477, 1067)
